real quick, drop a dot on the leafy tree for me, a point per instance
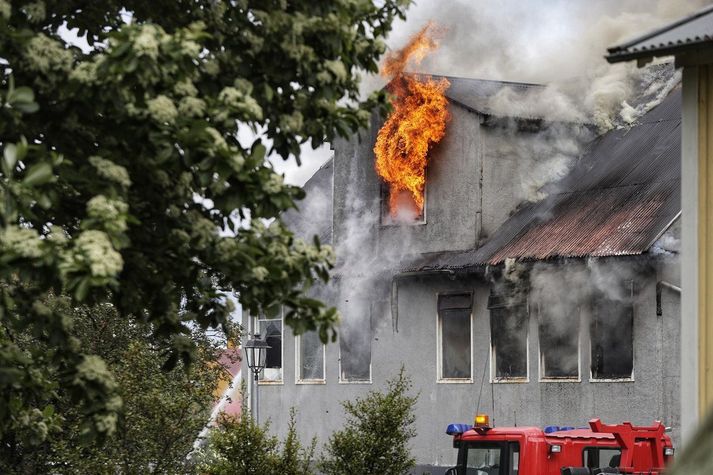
(163, 410)
(123, 180)
(378, 430)
(239, 446)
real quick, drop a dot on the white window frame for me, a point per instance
(353, 381)
(567, 379)
(439, 343)
(281, 319)
(298, 364)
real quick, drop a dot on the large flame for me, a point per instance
(417, 121)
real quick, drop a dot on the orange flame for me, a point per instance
(417, 121)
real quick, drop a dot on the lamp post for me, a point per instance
(255, 353)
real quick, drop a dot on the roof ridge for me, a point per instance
(623, 46)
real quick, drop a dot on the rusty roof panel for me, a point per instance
(617, 200)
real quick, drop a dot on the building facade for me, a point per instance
(540, 284)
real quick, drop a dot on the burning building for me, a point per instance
(537, 304)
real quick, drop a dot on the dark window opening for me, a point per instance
(355, 344)
(598, 457)
(612, 342)
(454, 312)
(559, 341)
(508, 333)
(271, 331)
(311, 357)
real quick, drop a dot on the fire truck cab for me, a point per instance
(554, 450)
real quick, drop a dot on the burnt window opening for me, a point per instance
(407, 213)
(454, 336)
(271, 329)
(612, 336)
(355, 343)
(508, 337)
(559, 341)
(310, 358)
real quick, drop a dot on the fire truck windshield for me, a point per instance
(489, 458)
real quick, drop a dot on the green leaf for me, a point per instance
(9, 158)
(23, 94)
(38, 174)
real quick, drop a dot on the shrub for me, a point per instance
(378, 430)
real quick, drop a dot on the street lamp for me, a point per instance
(255, 353)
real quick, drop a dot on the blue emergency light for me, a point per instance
(454, 429)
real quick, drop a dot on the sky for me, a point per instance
(540, 41)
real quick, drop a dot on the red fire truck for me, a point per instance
(600, 448)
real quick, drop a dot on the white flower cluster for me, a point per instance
(185, 88)
(191, 48)
(5, 9)
(273, 184)
(44, 55)
(147, 42)
(325, 252)
(111, 213)
(93, 249)
(23, 242)
(35, 11)
(162, 109)
(241, 100)
(260, 273)
(218, 140)
(111, 171)
(191, 107)
(291, 123)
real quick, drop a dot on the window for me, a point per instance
(611, 337)
(355, 344)
(514, 468)
(310, 358)
(559, 340)
(483, 459)
(271, 331)
(508, 339)
(598, 457)
(454, 337)
(489, 458)
(408, 212)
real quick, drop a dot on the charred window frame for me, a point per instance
(455, 337)
(387, 220)
(509, 338)
(355, 345)
(559, 343)
(611, 335)
(310, 358)
(272, 330)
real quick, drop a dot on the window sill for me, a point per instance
(561, 380)
(364, 381)
(270, 383)
(309, 382)
(454, 381)
(617, 380)
(510, 381)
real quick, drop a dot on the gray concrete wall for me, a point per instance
(653, 393)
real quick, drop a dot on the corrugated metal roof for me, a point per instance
(688, 33)
(618, 199)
